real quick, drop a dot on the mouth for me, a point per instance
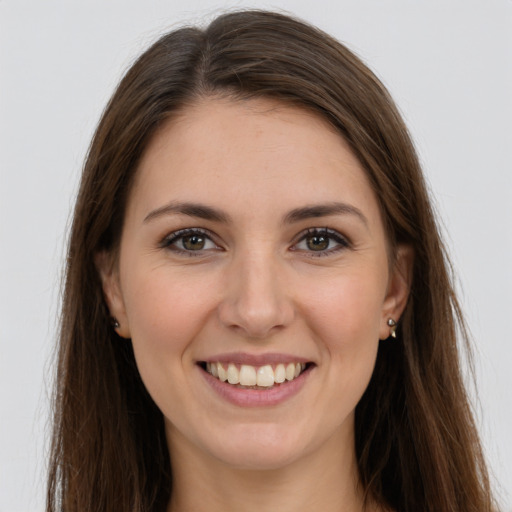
(264, 377)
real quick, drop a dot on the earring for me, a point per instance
(115, 324)
(392, 327)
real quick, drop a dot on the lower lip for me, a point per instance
(257, 397)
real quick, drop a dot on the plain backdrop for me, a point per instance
(448, 64)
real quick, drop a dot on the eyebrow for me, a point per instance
(202, 211)
(323, 210)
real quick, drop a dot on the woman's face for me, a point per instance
(253, 249)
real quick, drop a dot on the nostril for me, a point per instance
(255, 310)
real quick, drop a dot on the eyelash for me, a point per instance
(331, 235)
(172, 238)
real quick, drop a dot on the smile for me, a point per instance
(254, 377)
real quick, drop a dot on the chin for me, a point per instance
(259, 448)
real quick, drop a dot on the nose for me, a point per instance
(256, 301)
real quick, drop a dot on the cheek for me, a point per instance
(346, 317)
(165, 314)
(165, 306)
(348, 309)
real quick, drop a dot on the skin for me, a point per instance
(256, 286)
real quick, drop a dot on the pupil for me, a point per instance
(193, 242)
(318, 243)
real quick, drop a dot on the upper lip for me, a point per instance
(255, 359)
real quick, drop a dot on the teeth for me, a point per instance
(223, 374)
(263, 376)
(280, 373)
(248, 375)
(290, 371)
(233, 374)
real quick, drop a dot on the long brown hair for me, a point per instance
(416, 442)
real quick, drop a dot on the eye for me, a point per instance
(322, 241)
(189, 241)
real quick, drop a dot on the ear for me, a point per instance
(109, 275)
(399, 286)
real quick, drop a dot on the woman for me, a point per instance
(258, 309)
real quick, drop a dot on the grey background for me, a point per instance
(448, 64)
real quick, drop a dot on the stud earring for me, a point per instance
(115, 324)
(392, 327)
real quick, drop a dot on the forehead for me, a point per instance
(249, 155)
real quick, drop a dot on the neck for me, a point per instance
(325, 480)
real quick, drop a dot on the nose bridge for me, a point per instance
(256, 300)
